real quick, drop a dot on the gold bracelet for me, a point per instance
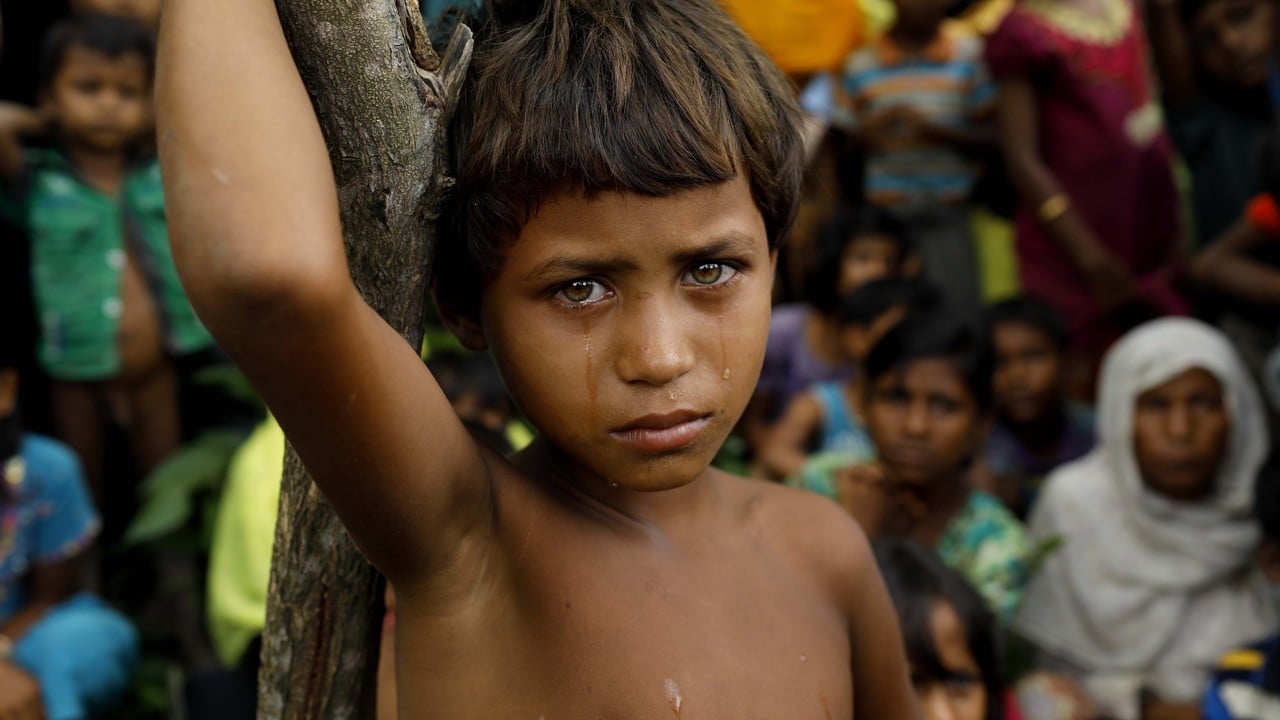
(1054, 207)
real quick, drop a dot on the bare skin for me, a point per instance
(605, 572)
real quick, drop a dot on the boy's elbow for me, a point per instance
(233, 295)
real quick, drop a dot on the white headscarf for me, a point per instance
(1146, 591)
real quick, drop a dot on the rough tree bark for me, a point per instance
(382, 97)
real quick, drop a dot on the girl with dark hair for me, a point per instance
(927, 402)
(949, 633)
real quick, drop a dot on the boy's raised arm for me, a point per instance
(256, 236)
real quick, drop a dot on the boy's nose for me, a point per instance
(916, 421)
(658, 348)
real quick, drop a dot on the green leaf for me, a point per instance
(170, 492)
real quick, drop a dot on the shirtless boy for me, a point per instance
(625, 170)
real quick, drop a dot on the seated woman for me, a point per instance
(1155, 577)
(927, 404)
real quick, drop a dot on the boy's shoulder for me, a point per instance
(810, 529)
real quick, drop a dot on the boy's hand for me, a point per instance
(1110, 284)
(880, 505)
(21, 120)
(894, 128)
(19, 694)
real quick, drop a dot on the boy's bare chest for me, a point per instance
(613, 637)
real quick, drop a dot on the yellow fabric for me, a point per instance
(997, 257)
(243, 536)
(1242, 660)
(801, 36)
(983, 17)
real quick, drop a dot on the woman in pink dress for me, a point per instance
(1097, 229)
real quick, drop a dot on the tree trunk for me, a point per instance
(382, 98)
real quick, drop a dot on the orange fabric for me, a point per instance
(1264, 214)
(801, 36)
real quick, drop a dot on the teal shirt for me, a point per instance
(986, 544)
(79, 238)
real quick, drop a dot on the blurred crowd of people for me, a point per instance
(1026, 332)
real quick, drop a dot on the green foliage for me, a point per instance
(187, 482)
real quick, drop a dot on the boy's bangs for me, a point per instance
(639, 96)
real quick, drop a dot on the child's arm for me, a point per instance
(1225, 266)
(1171, 49)
(783, 450)
(16, 122)
(256, 236)
(881, 678)
(1111, 285)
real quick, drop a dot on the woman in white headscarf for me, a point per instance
(1155, 576)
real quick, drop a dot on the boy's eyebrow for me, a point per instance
(730, 242)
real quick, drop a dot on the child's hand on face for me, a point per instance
(19, 694)
(880, 505)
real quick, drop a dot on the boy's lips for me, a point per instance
(663, 432)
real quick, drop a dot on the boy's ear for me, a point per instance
(464, 324)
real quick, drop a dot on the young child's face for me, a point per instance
(1028, 380)
(630, 329)
(99, 103)
(1235, 40)
(961, 695)
(1180, 431)
(867, 258)
(146, 12)
(924, 421)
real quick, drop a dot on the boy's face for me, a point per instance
(923, 420)
(1028, 380)
(920, 18)
(867, 258)
(99, 103)
(631, 330)
(1235, 40)
(1180, 432)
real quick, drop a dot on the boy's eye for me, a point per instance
(581, 292)
(710, 273)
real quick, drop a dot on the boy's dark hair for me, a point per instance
(1266, 497)
(110, 35)
(1032, 312)
(917, 581)
(938, 333)
(862, 306)
(842, 227)
(591, 96)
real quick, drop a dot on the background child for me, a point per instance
(612, 244)
(1036, 428)
(1100, 247)
(80, 652)
(1155, 577)
(927, 407)
(853, 247)
(920, 101)
(827, 419)
(949, 633)
(1214, 57)
(110, 305)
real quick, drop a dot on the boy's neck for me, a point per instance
(913, 41)
(594, 497)
(102, 170)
